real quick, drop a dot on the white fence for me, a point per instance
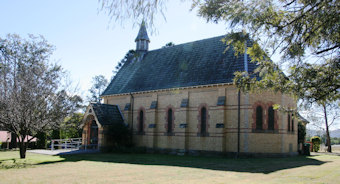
(72, 143)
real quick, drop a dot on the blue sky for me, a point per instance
(87, 42)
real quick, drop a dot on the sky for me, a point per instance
(87, 43)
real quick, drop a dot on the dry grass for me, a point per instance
(147, 168)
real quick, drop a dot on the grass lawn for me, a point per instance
(153, 168)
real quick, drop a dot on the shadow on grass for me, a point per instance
(252, 165)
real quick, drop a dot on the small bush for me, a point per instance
(301, 133)
(316, 140)
(118, 136)
(306, 149)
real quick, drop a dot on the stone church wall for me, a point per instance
(222, 120)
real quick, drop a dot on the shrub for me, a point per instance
(41, 140)
(316, 140)
(118, 136)
(301, 133)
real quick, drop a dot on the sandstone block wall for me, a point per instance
(222, 120)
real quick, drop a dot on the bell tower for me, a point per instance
(142, 40)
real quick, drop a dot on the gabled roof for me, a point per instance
(196, 63)
(301, 118)
(107, 114)
(142, 33)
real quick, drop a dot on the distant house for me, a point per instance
(182, 98)
(6, 139)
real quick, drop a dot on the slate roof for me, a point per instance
(107, 114)
(195, 63)
(142, 33)
(302, 118)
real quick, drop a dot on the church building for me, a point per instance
(182, 99)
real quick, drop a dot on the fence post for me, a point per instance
(52, 145)
(65, 143)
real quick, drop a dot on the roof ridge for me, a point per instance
(205, 39)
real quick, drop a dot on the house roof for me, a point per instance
(195, 63)
(301, 118)
(107, 114)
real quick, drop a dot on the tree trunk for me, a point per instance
(22, 147)
(329, 149)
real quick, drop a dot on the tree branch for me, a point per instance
(328, 49)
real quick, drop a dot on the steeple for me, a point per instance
(142, 40)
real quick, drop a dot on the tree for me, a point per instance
(291, 25)
(313, 84)
(99, 84)
(129, 54)
(71, 127)
(137, 10)
(32, 98)
(325, 113)
(170, 44)
(301, 132)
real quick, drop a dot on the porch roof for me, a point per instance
(107, 114)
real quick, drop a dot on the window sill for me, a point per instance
(203, 134)
(264, 131)
(169, 134)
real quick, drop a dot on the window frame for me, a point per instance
(271, 118)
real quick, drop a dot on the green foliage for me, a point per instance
(131, 53)
(292, 26)
(32, 98)
(335, 140)
(41, 140)
(71, 128)
(311, 82)
(55, 134)
(99, 84)
(301, 133)
(170, 44)
(316, 140)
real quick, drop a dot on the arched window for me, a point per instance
(203, 120)
(259, 120)
(292, 123)
(141, 121)
(271, 113)
(288, 122)
(170, 118)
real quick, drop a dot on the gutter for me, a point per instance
(169, 89)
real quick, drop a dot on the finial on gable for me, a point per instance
(142, 40)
